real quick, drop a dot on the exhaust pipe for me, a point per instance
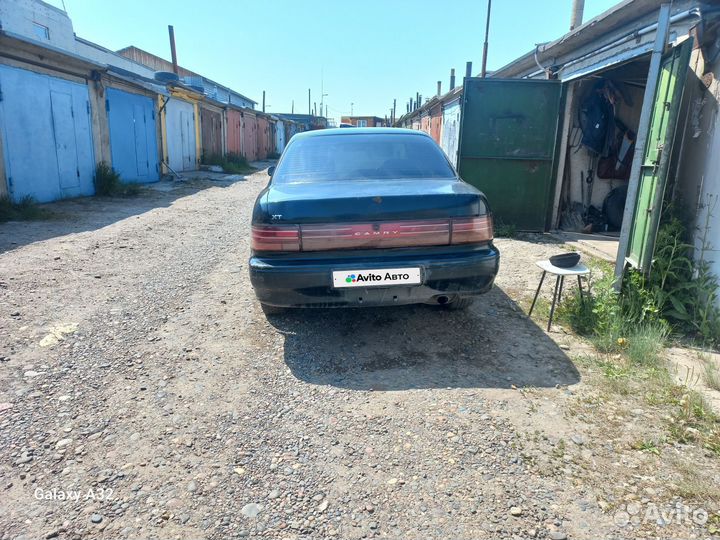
(442, 300)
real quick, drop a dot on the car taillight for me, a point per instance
(375, 235)
(471, 230)
(275, 238)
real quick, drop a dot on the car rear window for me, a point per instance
(361, 157)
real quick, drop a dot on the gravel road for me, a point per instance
(143, 393)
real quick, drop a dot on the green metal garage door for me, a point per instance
(508, 134)
(655, 164)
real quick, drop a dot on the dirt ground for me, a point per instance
(144, 394)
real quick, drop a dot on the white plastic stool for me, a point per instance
(547, 267)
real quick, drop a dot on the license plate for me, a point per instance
(377, 277)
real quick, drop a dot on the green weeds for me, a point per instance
(230, 163)
(25, 210)
(108, 183)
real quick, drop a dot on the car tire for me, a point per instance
(460, 303)
(272, 310)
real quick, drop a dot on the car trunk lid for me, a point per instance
(373, 200)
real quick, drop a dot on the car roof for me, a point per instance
(359, 131)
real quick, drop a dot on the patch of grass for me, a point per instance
(692, 419)
(712, 373)
(25, 210)
(693, 484)
(678, 295)
(559, 450)
(108, 183)
(646, 343)
(107, 180)
(576, 314)
(646, 445)
(505, 230)
(542, 309)
(688, 418)
(231, 163)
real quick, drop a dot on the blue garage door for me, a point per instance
(132, 136)
(46, 134)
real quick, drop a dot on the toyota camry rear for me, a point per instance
(369, 217)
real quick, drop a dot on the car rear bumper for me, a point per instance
(306, 280)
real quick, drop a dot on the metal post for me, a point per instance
(485, 45)
(641, 141)
(263, 109)
(309, 108)
(173, 53)
(439, 92)
(452, 79)
(537, 293)
(554, 301)
(578, 7)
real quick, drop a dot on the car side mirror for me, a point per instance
(271, 170)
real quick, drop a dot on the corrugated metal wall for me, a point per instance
(234, 132)
(279, 136)
(450, 131)
(263, 137)
(180, 134)
(133, 144)
(425, 123)
(250, 127)
(210, 132)
(436, 123)
(291, 128)
(47, 136)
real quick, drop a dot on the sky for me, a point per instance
(361, 53)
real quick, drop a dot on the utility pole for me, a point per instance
(263, 100)
(309, 109)
(315, 108)
(292, 107)
(326, 113)
(394, 110)
(483, 72)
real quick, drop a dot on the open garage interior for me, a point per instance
(603, 118)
